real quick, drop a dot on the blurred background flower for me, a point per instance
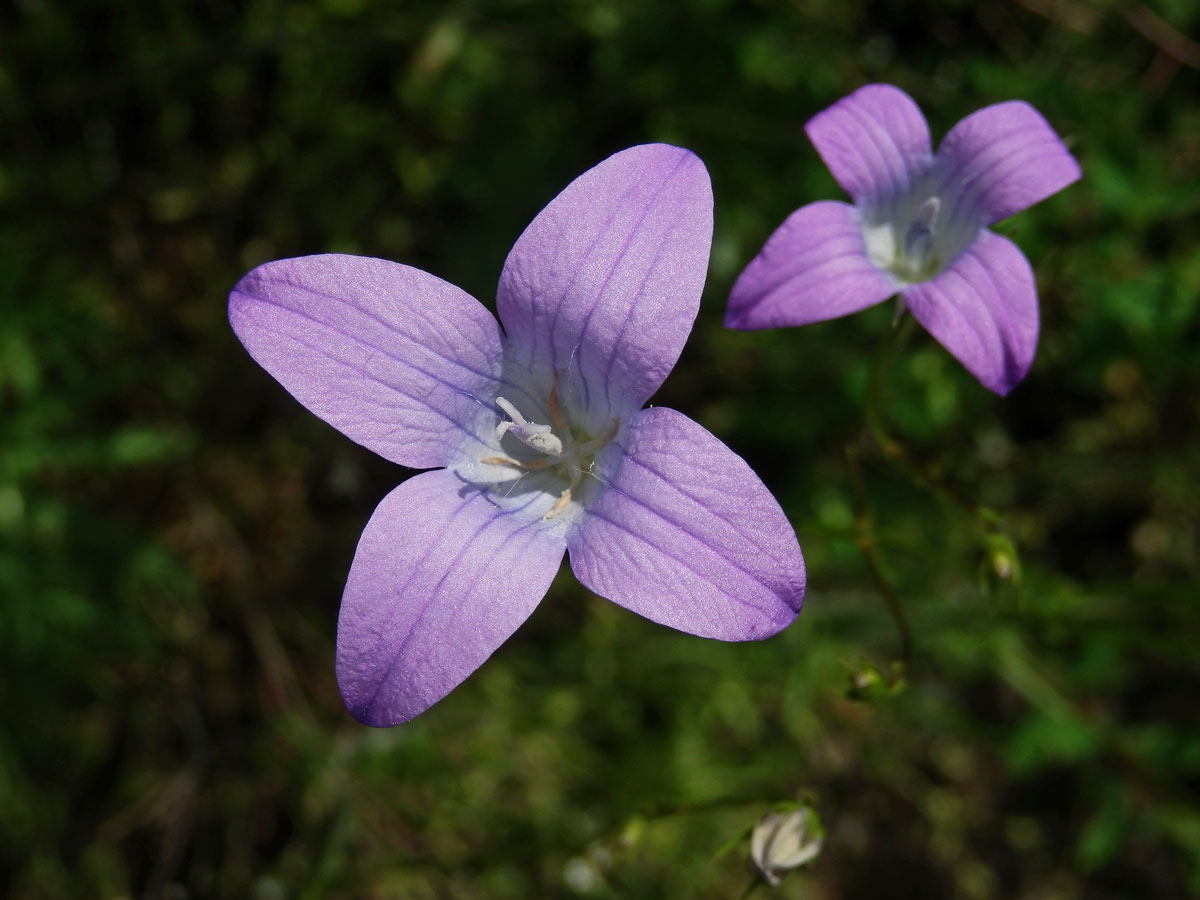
(917, 228)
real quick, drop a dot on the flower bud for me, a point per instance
(868, 683)
(1002, 558)
(784, 841)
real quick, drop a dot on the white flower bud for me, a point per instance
(781, 842)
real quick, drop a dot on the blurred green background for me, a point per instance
(175, 530)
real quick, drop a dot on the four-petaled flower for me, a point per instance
(918, 226)
(539, 430)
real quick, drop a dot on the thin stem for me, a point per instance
(923, 477)
(751, 887)
(865, 537)
(666, 810)
(893, 451)
(985, 524)
(889, 445)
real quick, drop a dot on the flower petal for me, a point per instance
(814, 267)
(984, 310)
(874, 142)
(604, 285)
(440, 579)
(687, 535)
(394, 358)
(1002, 159)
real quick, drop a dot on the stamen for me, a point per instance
(609, 434)
(565, 497)
(556, 413)
(515, 463)
(918, 239)
(559, 505)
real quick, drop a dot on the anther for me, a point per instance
(515, 463)
(559, 505)
(556, 413)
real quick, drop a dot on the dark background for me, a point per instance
(175, 530)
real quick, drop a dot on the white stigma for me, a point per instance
(918, 239)
(537, 437)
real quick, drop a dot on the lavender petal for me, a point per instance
(440, 579)
(814, 267)
(393, 357)
(602, 288)
(984, 310)
(874, 141)
(687, 535)
(1002, 159)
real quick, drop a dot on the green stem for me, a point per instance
(666, 810)
(751, 887)
(865, 537)
(889, 445)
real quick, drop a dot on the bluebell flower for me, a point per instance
(537, 435)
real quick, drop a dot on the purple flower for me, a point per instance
(918, 226)
(539, 430)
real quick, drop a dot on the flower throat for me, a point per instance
(557, 447)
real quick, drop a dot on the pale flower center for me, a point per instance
(557, 449)
(909, 246)
(916, 235)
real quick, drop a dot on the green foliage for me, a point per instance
(175, 531)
